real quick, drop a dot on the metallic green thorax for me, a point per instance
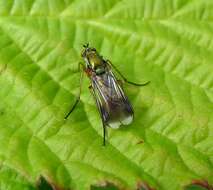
(93, 60)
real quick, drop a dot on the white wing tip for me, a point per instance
(125, 121)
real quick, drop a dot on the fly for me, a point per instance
(113, 105)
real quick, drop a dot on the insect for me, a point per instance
(113, 105)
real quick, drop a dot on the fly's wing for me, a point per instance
(113, 104)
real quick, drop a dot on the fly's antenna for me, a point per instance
(86, 45)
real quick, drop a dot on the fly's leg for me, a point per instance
(120, 82)
(73, 107)
(104, 132)
(101, 114)
(80, 68)
(124, 78)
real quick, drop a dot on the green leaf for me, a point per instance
(11, 180)
(169, 43)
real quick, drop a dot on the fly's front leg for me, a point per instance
(80, 68)
(124, 78)
(101, 114)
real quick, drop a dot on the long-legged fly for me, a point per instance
(113, 105)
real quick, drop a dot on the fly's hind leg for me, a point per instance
(124, 78)
(101, 114)
(80, 68)
(104, 132)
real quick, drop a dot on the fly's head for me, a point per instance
(92, 59)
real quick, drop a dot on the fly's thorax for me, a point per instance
(93, 60)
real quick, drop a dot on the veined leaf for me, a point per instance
(169, 144)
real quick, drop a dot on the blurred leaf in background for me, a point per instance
(169, 144)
